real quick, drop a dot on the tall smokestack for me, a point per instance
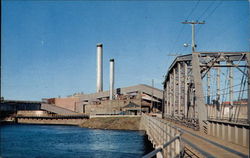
(111, 81)
(99, 70)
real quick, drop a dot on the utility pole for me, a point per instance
(193, 23)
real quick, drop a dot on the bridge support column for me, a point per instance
(248, 81)
(200, 102)
(174, 91)
(179, 89)
(168, 107)
(208, 87)
(185, 91)
(170, 94)
(230, 79)
(169, 97)
(217, 92)
(248, 87)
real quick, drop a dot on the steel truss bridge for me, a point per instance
(209, 91)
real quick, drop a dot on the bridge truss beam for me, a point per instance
(191, 95)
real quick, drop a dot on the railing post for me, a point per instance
(164, 133)
(165, 139)
(159, 154)
(177, 146)
(168, 139)
(158, 131)
(172, 150)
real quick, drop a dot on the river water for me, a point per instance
(59, 141)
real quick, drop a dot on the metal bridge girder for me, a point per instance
(248, 84)
(199, 99)
(194, 68)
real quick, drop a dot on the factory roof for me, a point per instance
(21, 101)
(131, 105)
(125, 90)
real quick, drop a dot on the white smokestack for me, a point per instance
(99, 69)
(111, 81)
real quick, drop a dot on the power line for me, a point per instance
(193, 9)
(211, 13)
(211, 4)
(224, 30)
(203, 13)
(182, 28)
(234, 92)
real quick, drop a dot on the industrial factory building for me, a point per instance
(127, 100)
(144, 98)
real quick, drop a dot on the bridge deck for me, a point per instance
(209, 146)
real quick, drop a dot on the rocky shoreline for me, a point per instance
(114, 123)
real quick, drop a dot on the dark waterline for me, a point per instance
(42, 141)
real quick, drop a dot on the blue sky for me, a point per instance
(49, 47)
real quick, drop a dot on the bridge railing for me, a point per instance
(165, 138)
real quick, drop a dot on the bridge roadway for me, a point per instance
(171, 139)
(202, 145)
